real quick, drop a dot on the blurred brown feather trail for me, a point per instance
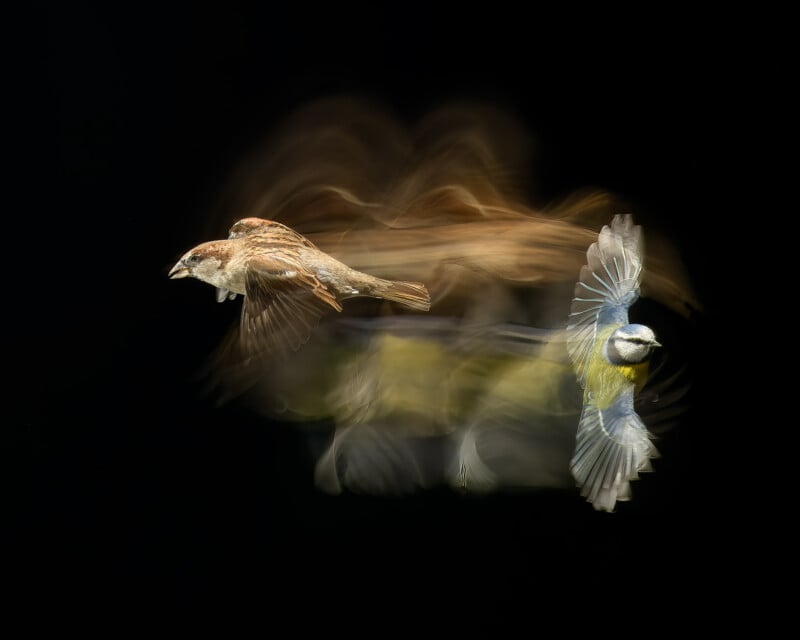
(477, 393)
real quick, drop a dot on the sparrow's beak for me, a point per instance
(180, 270)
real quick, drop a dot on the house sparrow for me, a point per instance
(288, 283)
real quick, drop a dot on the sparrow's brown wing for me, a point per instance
(268, 233)
(283, 304)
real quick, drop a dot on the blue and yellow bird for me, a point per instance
(611, 358)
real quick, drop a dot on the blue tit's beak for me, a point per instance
(655, 343)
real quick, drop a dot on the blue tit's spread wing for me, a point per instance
(608, 286)
(283, 303)
(612, 447)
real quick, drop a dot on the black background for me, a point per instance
(128, 489)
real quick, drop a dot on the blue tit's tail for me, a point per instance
(612, 447)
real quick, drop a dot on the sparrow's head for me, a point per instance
(631, 344)
(247, 225)
(205, 262)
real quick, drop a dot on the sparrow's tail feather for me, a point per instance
(411, 294)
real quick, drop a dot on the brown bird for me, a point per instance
(288, 283)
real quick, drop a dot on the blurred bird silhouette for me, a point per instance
(611, 357)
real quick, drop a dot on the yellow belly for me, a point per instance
(605, 381)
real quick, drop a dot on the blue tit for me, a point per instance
(611, 358)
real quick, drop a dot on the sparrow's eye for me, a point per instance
(193, 259)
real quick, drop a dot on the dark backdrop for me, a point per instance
(127, 488)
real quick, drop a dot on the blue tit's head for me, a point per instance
(631, 344)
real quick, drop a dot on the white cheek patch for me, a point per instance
(209, 272)
(626, 349)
